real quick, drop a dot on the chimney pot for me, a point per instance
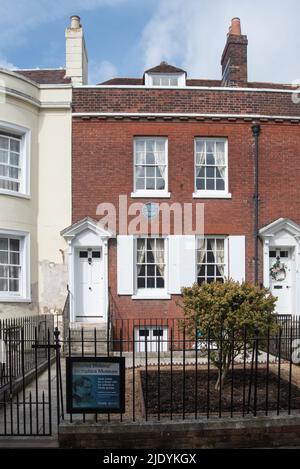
(235, 28)
(75, 22)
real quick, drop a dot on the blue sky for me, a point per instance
(124, 37)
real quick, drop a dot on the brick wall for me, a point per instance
(184, 101)
(103, 169)
(233, 433)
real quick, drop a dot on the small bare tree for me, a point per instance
(229, 315)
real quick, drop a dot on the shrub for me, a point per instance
(230, 315)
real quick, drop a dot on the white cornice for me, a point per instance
(187, 88)
(187, 115)
(34, 101)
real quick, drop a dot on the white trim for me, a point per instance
(150, 194)
(25, 291)
(211, 195)
(209, 88)
(33, 101)
(25, 157)
(182, 114)
(148, 296)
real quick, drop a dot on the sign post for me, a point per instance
(95, 384)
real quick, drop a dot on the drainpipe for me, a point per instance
(256, 131)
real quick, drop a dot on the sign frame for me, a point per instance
(94, 410)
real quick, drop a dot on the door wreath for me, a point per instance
(278, 270)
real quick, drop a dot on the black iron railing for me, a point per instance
(175, 373)
(16, 338)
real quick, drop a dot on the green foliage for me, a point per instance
(232, 315)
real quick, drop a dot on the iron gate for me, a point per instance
(30, 377)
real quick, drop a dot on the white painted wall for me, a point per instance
(46, 114)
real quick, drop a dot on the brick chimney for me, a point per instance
(76, 55)
(234, 57)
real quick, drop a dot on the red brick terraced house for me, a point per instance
(229, 144)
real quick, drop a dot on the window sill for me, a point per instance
(15, 194)
(212, 195)
(16, 299)
(151, 296)
(150, 194)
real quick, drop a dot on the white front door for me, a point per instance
(89, 292)
(282, 278)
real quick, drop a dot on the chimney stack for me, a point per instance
(234, 57)
(76, 55)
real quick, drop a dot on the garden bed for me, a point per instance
(179, 392)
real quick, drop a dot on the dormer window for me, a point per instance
(165, 75)
(164, 80)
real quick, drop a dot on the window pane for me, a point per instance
(160, 146)
(210, 172)
(140, 145)
(140, 183)
(210, 146)
(200, 184)
(14, 159)
(15, 145)
(200, 146)
(150, 184)
(220, 185)
(140, 157)
(3, 156)
(160, 184)
(210, 184)
(4, 271)
(210, 159)
(160, 282)
(4, 170)
(3, 257)
(141, 282)
(13, 173)
(14, 285)
(150, 283)
(200, 172)
(3, 284)
(14, 245)
(14, 272)
(140, 171)
(150, 171)
(3, 244)
(4, 142)
(150, 158)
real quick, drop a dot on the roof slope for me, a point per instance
(46, 76)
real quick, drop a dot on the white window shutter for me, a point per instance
(237, 258)
(182, 262)
(125, 263)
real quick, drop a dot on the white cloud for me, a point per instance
(99, 72)
(19, 17)
(6, 64)
(192, 34)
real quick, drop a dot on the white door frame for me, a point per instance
(83, 234)
(286, 234)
